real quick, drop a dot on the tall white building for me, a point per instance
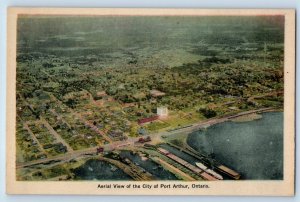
(162, 111)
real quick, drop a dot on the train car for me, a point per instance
(185, 163)
(179, 160)
(200, 165)
(229, 172)
(172, 156)
(195, 169)
(208, 177)
(163, 151)
(209, 171)
(213, 173)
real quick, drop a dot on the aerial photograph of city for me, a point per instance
(149, 98)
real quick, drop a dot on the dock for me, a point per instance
(191, 167)
(217, 166)
(131, 169)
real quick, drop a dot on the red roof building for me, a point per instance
(146, 120)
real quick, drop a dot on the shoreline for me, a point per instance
(217, 120)
(194, 127)
(254, 116)
(236, 117)
(247, 118)
(212, 121)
